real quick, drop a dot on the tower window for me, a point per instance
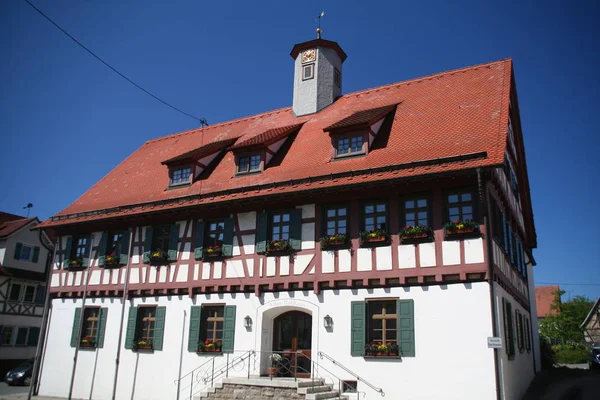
(308, 71)
(337, 77)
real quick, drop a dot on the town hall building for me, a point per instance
(377, 242)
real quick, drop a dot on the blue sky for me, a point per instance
(66, 120)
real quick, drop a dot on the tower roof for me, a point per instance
(318, 42)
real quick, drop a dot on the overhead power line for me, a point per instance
(202, 121)
(567, 284)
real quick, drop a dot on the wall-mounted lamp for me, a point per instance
(328, 322)
(247, 322)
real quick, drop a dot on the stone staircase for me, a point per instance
(256, 388)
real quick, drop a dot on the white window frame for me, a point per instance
(308, 67)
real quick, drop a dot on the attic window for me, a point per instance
(181, 176)
(349, 146)
(308, 71)
(249, 163)
(337, 77)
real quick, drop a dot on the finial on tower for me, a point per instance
(318, 19)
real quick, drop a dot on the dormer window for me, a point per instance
(349, 146)
(249, 163)
(308, 71)
(181, 176)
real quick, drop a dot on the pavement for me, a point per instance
(19, 393)
(567, 382)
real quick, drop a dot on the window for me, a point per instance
(33, 336)
(460, 206)
(520, 331)
(21, 336)
(90, 322)
(25, 253)
(29, 294)
(15, 292)
(510, 175)
(160, 244)
(249, 163)
(215, 233)
(336, 220)
(81, 245)
(308, 71)
(337, 77)
(160, 237)
(6, 337)
(211, 327)
(375, 216)
(146, 324)
(349, 146)
(280, 226)
(113, 244)
(527, 335)
(40, 295)
(508, 328)
(382, 321)
(145, 328)
(181, 176)
(416, 212)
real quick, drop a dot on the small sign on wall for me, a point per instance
(494, 342)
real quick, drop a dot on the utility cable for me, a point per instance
(202, 121)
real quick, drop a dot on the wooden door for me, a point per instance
(293, 339)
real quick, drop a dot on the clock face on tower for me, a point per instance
(309, 55)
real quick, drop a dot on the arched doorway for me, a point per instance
(292, 338)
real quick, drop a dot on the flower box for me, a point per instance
(374, 237)
(210, 346)
(461, 229)
(415, 234)
(278, 247)
(334, 241)
(144, 347)
(112, 261)
(87, 344)
(159, 258)
(380, 349)
(213, 252)
(143, 344)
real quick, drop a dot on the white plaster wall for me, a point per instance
(2, 251)
(535, 334)
(515, 374)
(452, 323)
(29, 238)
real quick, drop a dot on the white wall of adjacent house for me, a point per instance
(535, 333)
(517, 372)
(28, 238)
(452, 361)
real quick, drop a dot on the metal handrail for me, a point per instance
(358, 378)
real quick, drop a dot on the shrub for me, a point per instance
(570, 353)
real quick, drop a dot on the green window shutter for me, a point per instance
(173, 242)
(68, 250)
(86, 253)
(102, 248)
(262, 220)
(296, 229)
(75, 329)
(358, 323)
(18, 248)
(36, 254)
(199, 249)
(131, 325)
(147, 245)
(194, 336)
(228, 329)
(101, 327)
(406, 327)
(34, 334)
(227, 249)
(159, 328)
(124, 253)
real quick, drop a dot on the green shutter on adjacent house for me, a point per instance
(262, 220)
(124, 252)
(194, 337)
(75, 329)
(199, 248)
(131, 325)
(102, 248)
(101, 327)
(67, 254)
(34, 333)
(296, 229)
(86, 252)
(358, 314)
(173, 242)
(227, 249)
(159, 328)
(406, 327)
(147, 245)
(228, 329)
(18, 248)
(36, 254)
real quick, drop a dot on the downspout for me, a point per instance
(125, 289)
(45, 315)
(81, 320)
(483, 206)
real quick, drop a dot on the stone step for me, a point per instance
(314, 389)
(325, 395)
(310, 382)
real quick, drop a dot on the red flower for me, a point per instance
(456, 222)
(207, 341)
(378, 342)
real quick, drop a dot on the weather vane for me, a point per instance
(28, 207)
(318, 19)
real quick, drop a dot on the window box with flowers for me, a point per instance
(76, 263)
(336, 241)
(88, 342)
(416, 234)
(210, 346)
(281, 246)
(213, 252)
(112, 261)
(461, 229)
(159, 257)
(373, 237)
(143, 344)
(381, 349)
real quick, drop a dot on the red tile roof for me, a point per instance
(450, 121)
(8, 217)
(544, 297)
(365, 117)
(267, 136)
(10, 227)
(202, 151)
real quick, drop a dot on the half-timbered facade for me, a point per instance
(389, 231)
(24, 262)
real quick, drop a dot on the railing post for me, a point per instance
(296, 367)
(191, 385)
(227, 367)
(212, 374)
(248, 365)
(339, 388)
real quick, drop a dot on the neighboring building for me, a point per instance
(285, 232)
(24, 263)
(591, 325)
(545, 296)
